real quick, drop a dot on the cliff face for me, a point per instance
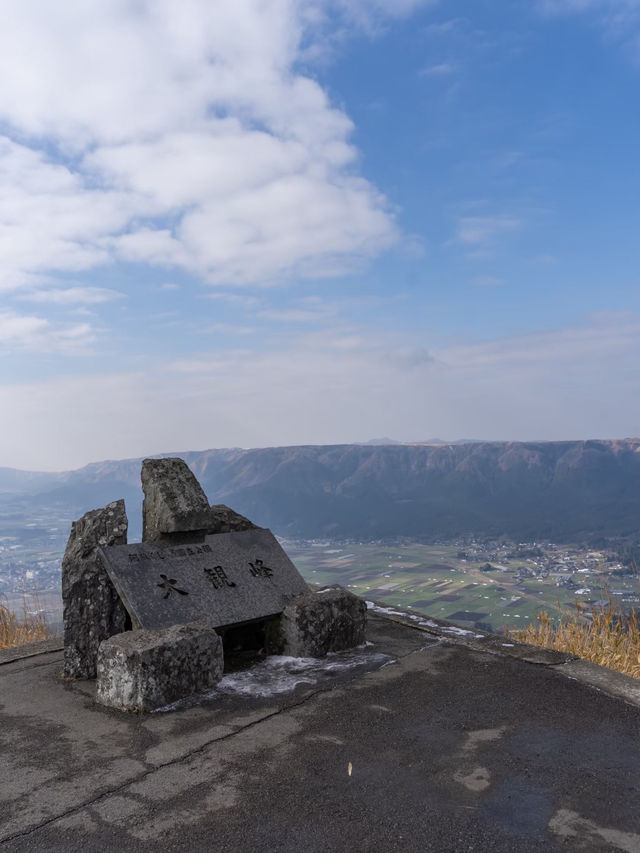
(548, 489)
(557, 490)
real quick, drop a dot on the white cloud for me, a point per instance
(180, 134)
(614, 7)
(312, 309)
(292, 315)
(443, 69)
(73, 295)
(49, 218)
(36, 334)
(231, 329)
(602, 341)
(20, 330)
(481, 231)
(371, 14)
(445, 27)
(241, 300)
(620, 19)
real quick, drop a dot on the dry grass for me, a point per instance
(611, 638)
(15, 630)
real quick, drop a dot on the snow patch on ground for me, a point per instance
(279, 674)
(421, 620)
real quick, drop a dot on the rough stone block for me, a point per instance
(144, 670)
(223, 519)
(92, 608)
(174, 501)
(175, 508)
(327, 621)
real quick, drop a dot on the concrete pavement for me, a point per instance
(429, 739)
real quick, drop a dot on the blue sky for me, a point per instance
(267, 223)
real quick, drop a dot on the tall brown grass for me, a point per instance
(610, 638)
(30, 626)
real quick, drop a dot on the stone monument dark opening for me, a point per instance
(246, 644)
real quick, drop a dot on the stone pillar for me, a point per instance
(173, 499)
(145, 670)
(331, 620)
(175, 508)
(92, 608)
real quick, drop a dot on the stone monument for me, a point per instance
(153, 621)
(229, 579)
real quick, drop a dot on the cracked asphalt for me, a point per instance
(454, 746)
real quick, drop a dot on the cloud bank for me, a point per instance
(335, 388)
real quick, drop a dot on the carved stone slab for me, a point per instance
(229, 579)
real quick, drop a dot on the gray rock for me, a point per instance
(175, 508)
(92, 608)
(327, 621)
(144, 670)
(223, 519)
(173, 499)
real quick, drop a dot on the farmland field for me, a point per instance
(485, 585)
(434, 580)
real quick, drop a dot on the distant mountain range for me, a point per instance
(562, 491)
(378, 441)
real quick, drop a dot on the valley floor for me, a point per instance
(490, 586)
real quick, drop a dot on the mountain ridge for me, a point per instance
(555, 490)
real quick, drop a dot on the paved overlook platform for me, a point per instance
(428, 739)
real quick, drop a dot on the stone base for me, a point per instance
(144, 670)
(328, 621)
